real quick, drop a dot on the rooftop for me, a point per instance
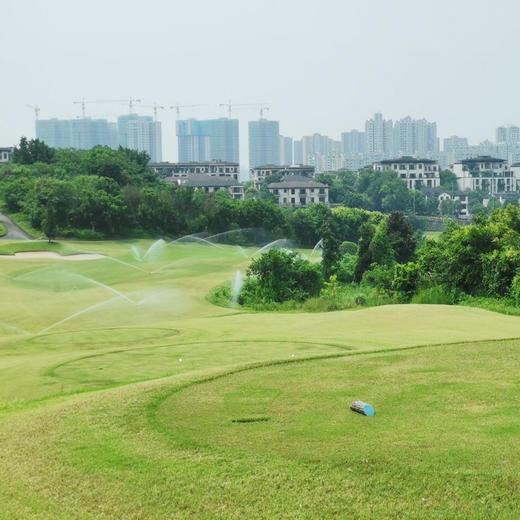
(283, 167)
(482, 158)
(203, 163)
(406, 159)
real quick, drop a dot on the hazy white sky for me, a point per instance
(324, 66)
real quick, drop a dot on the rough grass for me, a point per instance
(167, 406)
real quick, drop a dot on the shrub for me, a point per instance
(436, 295)
(379, 276)
(279, 276)
(348, 248)
(515, 289)
(405, 278)
(499, 269)
(347, 269)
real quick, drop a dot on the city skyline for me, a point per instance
(54, 61)
(218, 139)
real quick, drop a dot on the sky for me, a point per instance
(323, 66)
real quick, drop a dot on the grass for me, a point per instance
(10, 247)
(156, 404)
(3, 230)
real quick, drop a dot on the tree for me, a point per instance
(450, 208)
(401, 237)
(331, 250)
(32, 151)
(448, 180)
(50, 225)
(364, 258)
(381, 252)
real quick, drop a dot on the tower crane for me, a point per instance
(129, 101)
(155, 107)
(229, 105)
(178, 107)
(36, 110)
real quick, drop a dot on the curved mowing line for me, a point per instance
(154, 403)
(51, 371)
(37, 338)
(152, 407)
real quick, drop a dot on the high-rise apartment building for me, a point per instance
(264, 143)
(454, 149)
(379, 137)
(286, 150)
(208, 140)
(320, 151)
(82, 134)
(141, 133)
(508, 134)
(298, 152)
(416, 137)
(353, 142)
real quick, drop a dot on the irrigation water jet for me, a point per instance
(185, 237)
(236, 286)
(242, 251)
(79, 313)
(14, 327)
(127, 264)
(197, 239)
(137, 253)
(319, 245)
(280, 243)
(154, 248)
(104, 286)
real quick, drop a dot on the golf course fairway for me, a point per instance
(125, 394)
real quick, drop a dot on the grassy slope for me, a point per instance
(91, 424)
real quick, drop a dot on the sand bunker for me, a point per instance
(53, 255)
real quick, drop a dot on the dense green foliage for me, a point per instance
(278, 276)
(32, 151)
(479, 260)
(104, 192)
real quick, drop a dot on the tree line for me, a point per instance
(102, 192)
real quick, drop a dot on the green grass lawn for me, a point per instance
(124, 393)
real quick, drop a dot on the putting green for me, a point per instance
(125, 394)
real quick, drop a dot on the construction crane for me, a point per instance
(130, 102)
(155, 107)
(178, 107)
(229, 105)
(36, 110)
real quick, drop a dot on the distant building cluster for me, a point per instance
(506, 147)
(209, 154)
(131, 131)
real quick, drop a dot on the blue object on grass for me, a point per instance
(363, 408)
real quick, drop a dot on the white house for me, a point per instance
(185, 169)
(485, 173)
(299, 191)
(258, 174)
(211, 184)
(463, 199)
(418, 173)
